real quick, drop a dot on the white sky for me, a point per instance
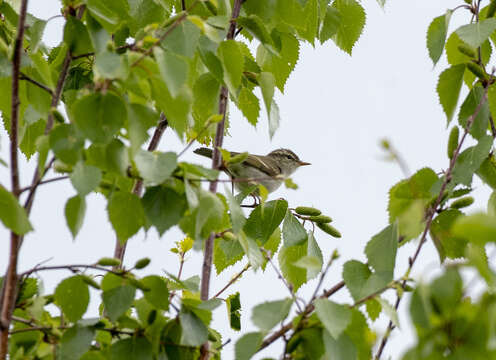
(335, 110)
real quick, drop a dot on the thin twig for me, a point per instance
(322, 276)
(58, 178)
(289, 325)
(120, 250)
(71, 267)
(49, 328)
(232, 281)
(192, 141)
(430, 216)
(35, 82)
(75, 57)
(9, 290)
(279, 275)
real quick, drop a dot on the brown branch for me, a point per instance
(9, 290)
(58, 178)
(216, 164)
(232, 281)
(72, 267)
(37, 83)
(120, 250)
(430, 217)
(289, 325)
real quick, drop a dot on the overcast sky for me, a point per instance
(335, 110)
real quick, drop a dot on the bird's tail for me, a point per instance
(203, 151)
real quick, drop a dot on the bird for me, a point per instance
(268, 170)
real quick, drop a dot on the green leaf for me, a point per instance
(351, 25)
(75, 342)
(381, 251)
(110, 65)
(85, 178)
(373, 308)
(155, 167)
(470, 160)
(264, 219)
(475, 34)
(73, 297)
(487, 171)
(267, 85)
(249, 105)
(238, 219)
(469, 107)
(75, 209)
(66, 143)
(446, 243)
(248, 345)
(313, 251)
(126, 214)
(226, 253)
(12, 214)
(194, 331)
(206, 93)
(267, 315)
(255, 26)
(173, 69)
(252, 251)
(330, 25)
(140, 119)
(158, 295)
(334, 317)
(407, 200)
(133, 348)
(342, 348)
(76, 37)
(360, 281)
(280, 66)
(288, 255)
(448, 88)
(232, 62)
(209, 215)
(478, 228)
(99, 116)
(491, 99)
(183, 39)
(233, 305)
(118, 300)
(390, 311)
(292, 231)
(455, 56)
(436, 36)
(163, 207)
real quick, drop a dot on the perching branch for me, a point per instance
(430, 216)
(216, 164)
(10, 288)
(120, 250)
(232, 281)
(48, 181)
(37, 83)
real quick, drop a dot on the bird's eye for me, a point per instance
(288, 157)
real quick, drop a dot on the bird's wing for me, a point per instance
(264, 164)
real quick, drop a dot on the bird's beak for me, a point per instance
(302, 163)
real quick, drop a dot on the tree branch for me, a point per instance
(10, 288)
(71, 267)
(232, 281)
(431, 212)
(120, 250)
(37, 83)
(58, 178)
(216, 164)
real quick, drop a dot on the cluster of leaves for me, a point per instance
(122, 68)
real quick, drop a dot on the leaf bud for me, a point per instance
(329, 229)
(305, 210)
(476, 70)
(320, 219)
(466, 50)
(229, 236)
(142, 263)
(88, 280)
(453, 141)
(106, 261)
(463, 202)
(58, 117)
(62, 167)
